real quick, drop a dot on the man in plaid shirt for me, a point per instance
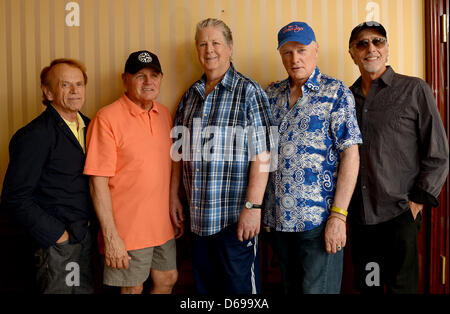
(223, 120)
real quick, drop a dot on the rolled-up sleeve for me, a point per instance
(344, 125)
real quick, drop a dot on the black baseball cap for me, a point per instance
(142, 59)
(366, 25)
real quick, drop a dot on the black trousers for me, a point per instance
(66, 268)
(385, 255)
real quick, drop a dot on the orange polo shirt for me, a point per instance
(131, 146)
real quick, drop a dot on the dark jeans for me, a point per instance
(392, 245)
(224, 265)
(66, 268)
(306, 267)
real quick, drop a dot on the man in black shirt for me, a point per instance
(403, 165)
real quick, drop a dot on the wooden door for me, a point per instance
(434, 239)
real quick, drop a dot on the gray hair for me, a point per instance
(218, 24)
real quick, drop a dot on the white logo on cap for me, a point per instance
(145, 57)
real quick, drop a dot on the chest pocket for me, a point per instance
(228, 116)
(386, 114)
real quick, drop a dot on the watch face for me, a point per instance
(248, 205)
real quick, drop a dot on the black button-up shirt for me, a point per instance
(404, 155)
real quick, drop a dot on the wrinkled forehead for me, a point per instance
(65, 72)
(211, 33)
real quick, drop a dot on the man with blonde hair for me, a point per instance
(225, 191)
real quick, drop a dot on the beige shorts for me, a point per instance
(161, 257)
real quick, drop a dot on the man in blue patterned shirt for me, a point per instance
(308, 195)
(223, 120)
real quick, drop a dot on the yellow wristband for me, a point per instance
(339, 210)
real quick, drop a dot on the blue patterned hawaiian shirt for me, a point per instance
(312, 134)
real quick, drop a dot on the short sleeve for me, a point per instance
(344, 125)
(101, 157)
(260, 120)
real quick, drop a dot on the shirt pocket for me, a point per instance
(228, 115)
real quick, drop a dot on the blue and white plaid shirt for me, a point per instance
(312, 134)
(221, 133)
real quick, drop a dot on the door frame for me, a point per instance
(436, 222)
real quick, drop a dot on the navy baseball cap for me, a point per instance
(142, 59)
(296, 31)
(365, 25)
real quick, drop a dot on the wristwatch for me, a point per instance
(250, 205)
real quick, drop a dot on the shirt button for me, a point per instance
(364, 187)
(197, 170)
(365, 110)
(205, 115)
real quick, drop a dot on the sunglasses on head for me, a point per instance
(378, 42)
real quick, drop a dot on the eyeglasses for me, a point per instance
(378, 42)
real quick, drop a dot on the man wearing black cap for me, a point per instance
(128, 158)
(403, 165)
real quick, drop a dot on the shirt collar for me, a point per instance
(229, 78)
(134, 109)
(388, 75)
(52, 109)
(81, 123)
(228, 81)
(73, 125)
(386, 78)
(284, 85)
(312, 83)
